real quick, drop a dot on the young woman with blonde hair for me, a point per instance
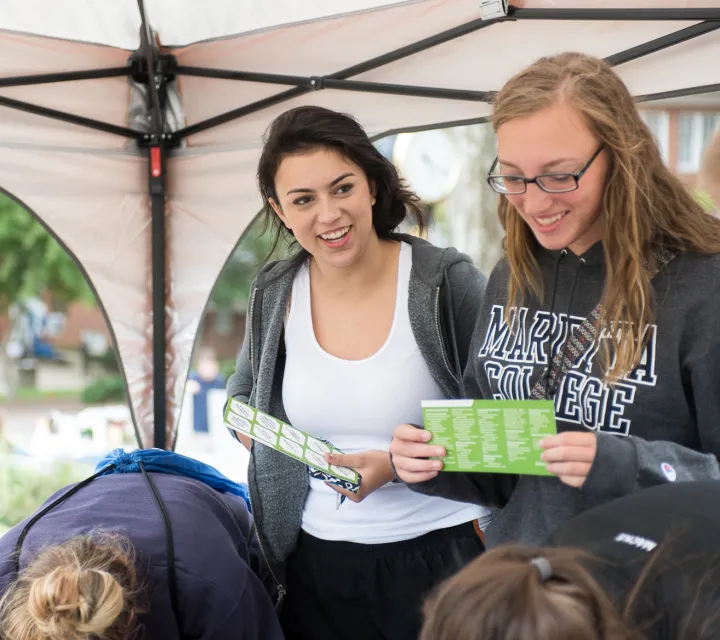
(606, 302)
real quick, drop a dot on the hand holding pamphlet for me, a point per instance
(491, 436)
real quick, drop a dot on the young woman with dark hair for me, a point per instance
(344, 341)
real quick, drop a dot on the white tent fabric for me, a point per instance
(179, 22)
(90, 187)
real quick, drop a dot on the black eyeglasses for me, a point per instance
(548, 182)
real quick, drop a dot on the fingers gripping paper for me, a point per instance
(292, 442)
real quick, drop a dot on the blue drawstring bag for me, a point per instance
(161, 461)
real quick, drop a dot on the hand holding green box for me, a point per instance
(292, 442)
(491, 436)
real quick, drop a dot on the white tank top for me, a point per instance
(356, 405)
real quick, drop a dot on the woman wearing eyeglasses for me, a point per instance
(607, 302)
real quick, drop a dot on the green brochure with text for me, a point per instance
(491, 436)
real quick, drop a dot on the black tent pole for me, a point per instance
(66, 76)
(157, 198)
(157, 150)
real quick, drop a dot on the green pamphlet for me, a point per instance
(491, 436)
(292, 442)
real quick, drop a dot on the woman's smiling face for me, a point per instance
(556, 140)
(326, 201)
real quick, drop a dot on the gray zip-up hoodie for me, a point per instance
(445, 294)
(661, 423)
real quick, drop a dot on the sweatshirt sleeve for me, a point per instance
(468, 291)
(491, 490)
(624, 465)
(240, 383)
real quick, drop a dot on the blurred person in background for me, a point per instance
(202, 379)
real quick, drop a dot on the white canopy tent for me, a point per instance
(151, 188)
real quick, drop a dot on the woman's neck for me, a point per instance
(371, 268)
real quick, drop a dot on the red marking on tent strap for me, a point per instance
(155, 162)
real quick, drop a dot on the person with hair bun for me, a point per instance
(141, 556)
(85, 587)
(643, 567)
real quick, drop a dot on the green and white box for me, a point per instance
(292, 442)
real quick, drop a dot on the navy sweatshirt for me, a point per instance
(220, 593)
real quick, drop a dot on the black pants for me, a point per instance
(348, 591)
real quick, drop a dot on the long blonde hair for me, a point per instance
(644, 204)
(84, 589)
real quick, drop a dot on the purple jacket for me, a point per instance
(220, 592)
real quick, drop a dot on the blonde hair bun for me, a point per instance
(71, 601)
(86, 588)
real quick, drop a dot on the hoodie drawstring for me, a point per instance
(550, 385)
(546, 373)
(453, 339)
(551, 388)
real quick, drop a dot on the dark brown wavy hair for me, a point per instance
(310, 128)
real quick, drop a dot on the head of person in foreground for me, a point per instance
(518, 592)
(84, 589)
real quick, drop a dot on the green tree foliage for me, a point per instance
(24, 488)
(32, 262)
(254, 249)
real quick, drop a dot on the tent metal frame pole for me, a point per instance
(330, 82)
(614, 13)
(68, 76)
(156, 185)
(679, 93)
(89, 123)
(362, 67)
(244, 76)
(707, 15)
(235, 114)
(317, 83)
(417, 47)
(658, 44)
